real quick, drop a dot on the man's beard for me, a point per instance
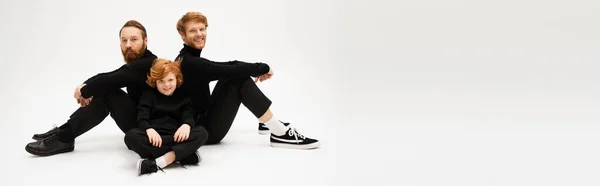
(130, 56)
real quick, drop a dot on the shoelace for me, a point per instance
(54, 127)
(157, 168)
(183, 166)
(53, 136)
(293, 132)
(50, 138)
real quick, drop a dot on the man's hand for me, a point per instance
(84, 102)
(77, 94)
(154, 137)
(80, 100)
(264, 77)
(182, 134)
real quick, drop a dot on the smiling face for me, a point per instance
(194, 35)
(192, 29)
(166, 85)
(165, 76)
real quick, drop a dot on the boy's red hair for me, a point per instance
(161, 68)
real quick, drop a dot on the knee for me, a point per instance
(200, 130)
(99, 100)
(104, 98)
(134, 132)
(199, 133)
(115, 93)
(132, 135)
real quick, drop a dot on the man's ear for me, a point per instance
(182, 34)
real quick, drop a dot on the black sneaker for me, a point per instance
(263, 129)
(49, 146)
(192, 159)
(147, 166)
(48, 134)
(294, 140)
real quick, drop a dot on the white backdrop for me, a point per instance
(429, 92)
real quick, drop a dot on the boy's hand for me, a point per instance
(183, 133)
(154, 137)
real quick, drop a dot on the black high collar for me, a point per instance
(190, 50)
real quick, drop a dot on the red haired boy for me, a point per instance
(166, 132)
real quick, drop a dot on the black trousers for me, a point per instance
(137, 141)
(226, 97)
(117, 103)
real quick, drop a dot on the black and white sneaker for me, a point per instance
(264, 130)
(147, 166)
(294, 140)
(192, 159)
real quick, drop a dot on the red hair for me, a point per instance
(161, 68)
(191, 17)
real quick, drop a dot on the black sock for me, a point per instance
(64, 126)
(66, 135)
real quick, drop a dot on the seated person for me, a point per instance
(166, 131)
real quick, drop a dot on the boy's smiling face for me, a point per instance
(167, 84)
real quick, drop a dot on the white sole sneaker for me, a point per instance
(199, 157)
(139, 166)
(294, 146)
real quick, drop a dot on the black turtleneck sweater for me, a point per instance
(163, 113)
(198, 72)
(132, 76)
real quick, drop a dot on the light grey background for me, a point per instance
(426, 92)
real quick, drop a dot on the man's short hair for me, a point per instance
(136, 24)
(191, 17)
